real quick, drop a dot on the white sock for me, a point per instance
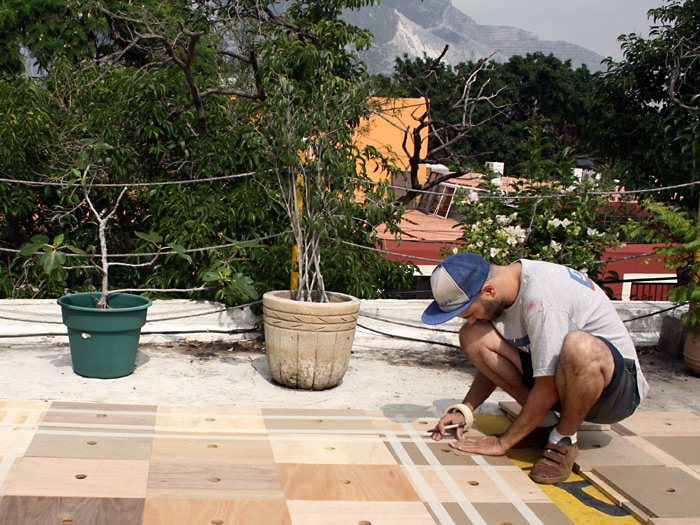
(555, 437)
(549, 420)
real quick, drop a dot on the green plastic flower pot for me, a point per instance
(103, 342)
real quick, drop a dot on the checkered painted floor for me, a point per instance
(158, 465)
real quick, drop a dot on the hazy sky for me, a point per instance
(594, 24)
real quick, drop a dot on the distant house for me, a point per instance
(430, 229)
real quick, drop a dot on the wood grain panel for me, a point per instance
(161, 511)
(22, 510)
(346, 482)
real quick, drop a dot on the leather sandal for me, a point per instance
(536, 438)
(555, 465)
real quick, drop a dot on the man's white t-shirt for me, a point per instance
(554, 300)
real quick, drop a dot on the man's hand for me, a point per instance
(449, 419)
(486, 446)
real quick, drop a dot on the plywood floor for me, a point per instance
(158, 465)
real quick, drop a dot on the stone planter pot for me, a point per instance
(691, 349)
(308, 344)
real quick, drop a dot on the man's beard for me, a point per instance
(493, 308)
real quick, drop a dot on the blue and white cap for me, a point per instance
(455, 283)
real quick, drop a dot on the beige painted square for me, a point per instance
(172, 479)
(333, 448)
(209, 420)
(160, 511)
(663, 424)
(352, 512)
(663, 457)
(90, 446)
(548, 514)
(247, 449)
(345, 482)
(685, 449)
(89, 478)
(609, 448)
(476, 485)
(661, 492)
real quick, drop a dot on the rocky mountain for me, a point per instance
(415, 27)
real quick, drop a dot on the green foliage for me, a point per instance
(656, 100)
(679, 234)
(550, 216)
(535, 86)
(169, 108)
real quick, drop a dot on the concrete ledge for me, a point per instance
(33, 322)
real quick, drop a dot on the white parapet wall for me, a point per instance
(384, 322)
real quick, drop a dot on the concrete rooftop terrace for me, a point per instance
(198, 389)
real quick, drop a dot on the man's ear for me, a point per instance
(488, 291)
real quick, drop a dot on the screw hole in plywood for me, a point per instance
(80, 476)
(670, 490)
(214, 480)
(212, 446)
(364, 522)
(217, 522)
(92, 442)
(445, 450)
(101, 415)
(67, 520)
(345, 481)
(474, 483)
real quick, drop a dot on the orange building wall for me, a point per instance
(386, 133)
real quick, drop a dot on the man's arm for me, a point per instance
(540, 400)
(481, 388)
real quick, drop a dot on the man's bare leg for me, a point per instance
(585, 368)
(498, 363)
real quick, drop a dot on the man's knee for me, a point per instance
(581, 350)
(473, 338)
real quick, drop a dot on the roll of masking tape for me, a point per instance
(464, 409)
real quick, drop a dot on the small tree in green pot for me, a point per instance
(680, 234)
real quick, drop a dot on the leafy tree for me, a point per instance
(174, 91)
(656, 96)
(481, 111)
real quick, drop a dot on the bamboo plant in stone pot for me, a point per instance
(309, 165)
(680, 235)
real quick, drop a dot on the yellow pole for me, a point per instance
(294, 285)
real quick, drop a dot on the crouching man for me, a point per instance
(549, 337)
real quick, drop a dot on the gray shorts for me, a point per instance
(618, 400)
